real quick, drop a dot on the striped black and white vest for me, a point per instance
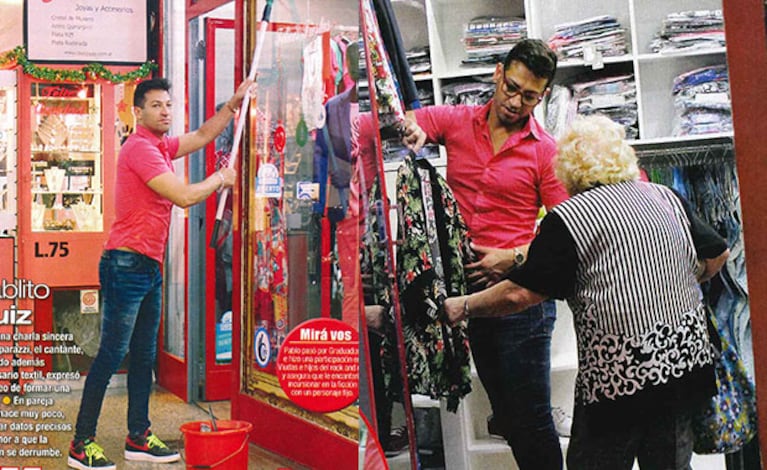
(637, 306)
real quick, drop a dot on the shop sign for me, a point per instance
(308, 191)
(262, 348)
(86, 31)
(318, 365)
(89, 301)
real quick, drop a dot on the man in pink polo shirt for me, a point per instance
(130, 268)
(499, 166)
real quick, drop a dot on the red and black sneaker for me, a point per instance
(87, 455)
(149, 448)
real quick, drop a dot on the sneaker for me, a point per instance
(398, 442)
(149, 448)
(85, 455)
(562, 421)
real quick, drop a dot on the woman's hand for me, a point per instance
(454, 309)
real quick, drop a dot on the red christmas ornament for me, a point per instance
(279, 138)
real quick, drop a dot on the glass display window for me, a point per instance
(66, 151)
(289, 241)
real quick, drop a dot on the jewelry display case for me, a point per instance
(66, 177)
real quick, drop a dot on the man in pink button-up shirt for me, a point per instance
(130, 274)
(499, 165)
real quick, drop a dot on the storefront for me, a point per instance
(235, 295)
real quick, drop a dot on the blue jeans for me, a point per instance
(131, 292)
(513, 359)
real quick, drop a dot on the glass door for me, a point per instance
(219, 86)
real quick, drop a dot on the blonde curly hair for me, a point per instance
(593, 151)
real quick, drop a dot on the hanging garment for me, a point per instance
(312, 93)
(389, 103)
(709, 181)
(392, 39)
(433, 248)
(374, 264)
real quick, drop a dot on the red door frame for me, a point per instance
(173, 370)
(195, 8)
(218, 377)
(747, 65)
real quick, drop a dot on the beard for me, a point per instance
(510, 116)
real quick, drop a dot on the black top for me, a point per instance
(552, 260)
(550, 270)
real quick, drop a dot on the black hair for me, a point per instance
(536, 55)
(139, 96)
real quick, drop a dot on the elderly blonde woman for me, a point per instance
(628, 256)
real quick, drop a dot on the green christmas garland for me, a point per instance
(91, 71)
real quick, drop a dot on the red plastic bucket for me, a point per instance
(225, 449)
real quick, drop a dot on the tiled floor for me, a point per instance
(167, 413)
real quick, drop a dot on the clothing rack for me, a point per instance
(717, 151)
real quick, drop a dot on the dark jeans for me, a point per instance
(383, 404)
(660, 437)
(513, 359)
(131, 292)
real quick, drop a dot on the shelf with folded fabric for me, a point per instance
(611, 91)
(666, 102)
(675, 38)
(578, 19)
(462, 32)
(468, 90)
(677, 25)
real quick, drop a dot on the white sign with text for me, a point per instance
(111, 31)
